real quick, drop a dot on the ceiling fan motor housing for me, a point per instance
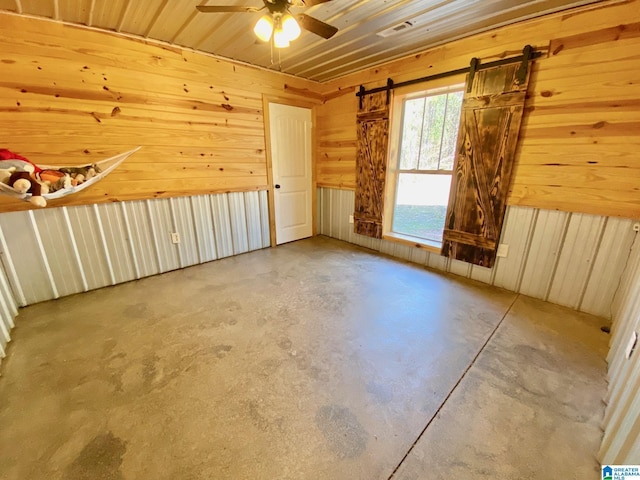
(279, 9)
(278, 6)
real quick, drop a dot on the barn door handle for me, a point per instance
(277, 185)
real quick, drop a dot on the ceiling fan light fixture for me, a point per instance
(264, 28)
(290, 27)
(280, 38)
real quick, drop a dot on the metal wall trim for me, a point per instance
(7, 263)
(74, 246)
(105, 248)
(8, 311)
(225, 223)
(546, 259)
(621, 439)
(43, 254)
(132, 249)
(154, 235)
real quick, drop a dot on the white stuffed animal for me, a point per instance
(5, 173)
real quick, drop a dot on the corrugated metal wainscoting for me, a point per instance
(8, 311)
(54, 252)
(621, 441)
(569, 259)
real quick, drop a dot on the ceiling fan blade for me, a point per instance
(316, 26)
(313, 3)
(226, 9)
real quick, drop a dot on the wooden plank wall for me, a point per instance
(71, 95)
(580, 139)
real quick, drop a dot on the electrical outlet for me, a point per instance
(503, 250)
(350, 218)
(636, 227)
(175, 237)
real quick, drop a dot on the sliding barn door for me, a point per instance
(489, 126)
(371, 163)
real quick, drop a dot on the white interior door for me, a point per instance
(290, 129)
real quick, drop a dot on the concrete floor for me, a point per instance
(314, 360)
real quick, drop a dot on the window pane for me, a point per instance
(451, 124)
(411, 133)
(432, 132)
(421, 205)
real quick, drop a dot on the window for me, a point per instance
(424, 163)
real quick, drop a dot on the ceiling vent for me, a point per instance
(396, 29)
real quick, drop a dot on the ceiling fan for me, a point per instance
(279, 24)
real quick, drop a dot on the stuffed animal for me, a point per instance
(79, 175)
(27, 177)
(8, 155)
(5, 173)
(22, 182)
(10, 159)
(55, 179)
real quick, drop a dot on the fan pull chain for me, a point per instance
(271, 48)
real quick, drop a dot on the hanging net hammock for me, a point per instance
(70, 179)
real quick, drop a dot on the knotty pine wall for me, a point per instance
(580, 139)
(72, 95)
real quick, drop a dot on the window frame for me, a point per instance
(393, 170)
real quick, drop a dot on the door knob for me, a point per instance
(277, 185)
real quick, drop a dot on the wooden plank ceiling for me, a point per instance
(356, 46)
